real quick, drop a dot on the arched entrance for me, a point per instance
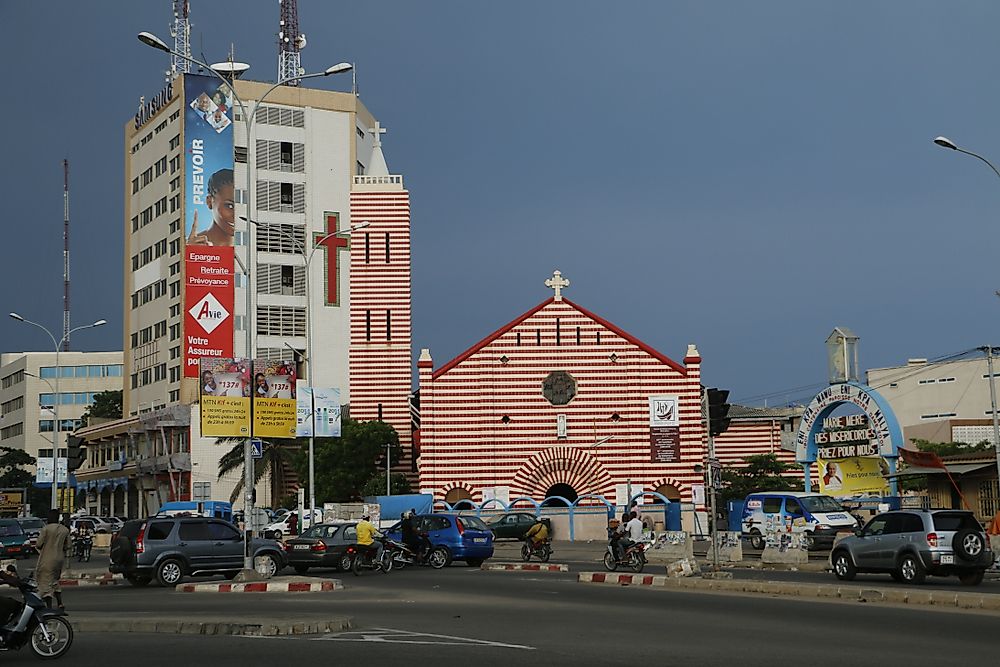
(671, 492)
(457, 495)
(562, 490)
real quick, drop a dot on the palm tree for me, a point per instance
(276, 461)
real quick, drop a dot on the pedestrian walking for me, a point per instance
(53, 546)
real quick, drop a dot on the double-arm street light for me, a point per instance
(989, 350)
(151, 40)
(58, 345)
(310, 369)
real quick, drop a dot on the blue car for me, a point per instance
(453, 537)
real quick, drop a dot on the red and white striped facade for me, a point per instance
(752, 435)
(484, 422)
(380, 357)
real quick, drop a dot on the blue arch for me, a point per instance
(569, 503)
(482, 506)
(464, 503)
(447, 506)
(807, 456)
(576, 504)
(538, 507)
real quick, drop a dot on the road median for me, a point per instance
(915, 596)
(525, 567)
(270, 586)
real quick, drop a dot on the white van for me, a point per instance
(820, 517)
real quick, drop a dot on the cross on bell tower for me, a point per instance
(557, 283)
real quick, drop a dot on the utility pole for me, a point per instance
(714, 529)
(988, 349)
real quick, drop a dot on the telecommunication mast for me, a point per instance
(290, 42)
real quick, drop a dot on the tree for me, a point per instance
(763, 472)
(375, 486)
(12, 476)
(106, 405)
(344, 465)
(277, 458)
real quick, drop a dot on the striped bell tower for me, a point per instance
(380, 353)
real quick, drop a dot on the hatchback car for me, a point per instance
(452, 537)
(514, 525)
(31, 526)
(911, 544)
(324, 545)
(13, 540)
(170, 548)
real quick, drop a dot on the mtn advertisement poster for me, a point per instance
(227, 387)
(209, 221)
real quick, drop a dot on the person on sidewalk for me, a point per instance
(53, 548)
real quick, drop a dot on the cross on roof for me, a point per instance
(377, 130)
(557, 283)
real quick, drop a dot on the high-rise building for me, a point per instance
(316, 170)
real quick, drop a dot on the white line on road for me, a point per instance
(395, 636)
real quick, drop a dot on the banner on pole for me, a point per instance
(317, 411)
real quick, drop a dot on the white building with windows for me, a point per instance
(28, 394)
(925, 395)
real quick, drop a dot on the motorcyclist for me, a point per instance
(619, 537)
(369, 536)
(407, 523)
(537, 535)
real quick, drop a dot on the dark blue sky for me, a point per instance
(744, 176)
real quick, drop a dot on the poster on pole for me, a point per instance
(274, 404)
(43, 470)
(225, 397)
(323, 405)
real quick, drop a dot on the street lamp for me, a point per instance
(945, 142)
(55, 434)
(306, 261)
(151, 40)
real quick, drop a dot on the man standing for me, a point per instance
(53, 547)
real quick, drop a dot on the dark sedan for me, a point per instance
(13, 541)
(324, 545)
(514, 525)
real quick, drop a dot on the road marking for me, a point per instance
(395, 636)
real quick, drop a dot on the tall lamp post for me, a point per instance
(307, 261)
(945, 142)
(151, 40)
(55, 434)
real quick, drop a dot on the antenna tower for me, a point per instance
(290, 42)
(180, 30)
(65, 255)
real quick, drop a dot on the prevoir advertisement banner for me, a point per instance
(209, 295)
(209, 197)
(318, 409)
(853, 476)
(225, 398)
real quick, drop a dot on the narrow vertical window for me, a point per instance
(598, 337)
(519, 339)
(368, 247)
(387, 247)
(578, 335)
(388, 324)
(558, 331)
(368, 325)
(538, 336)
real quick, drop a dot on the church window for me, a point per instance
(387, 247)
(538, 336)
(558, 331)
(519, 339)
(388, 324)
(598, 337)
(616, 417)
(368, 325)
(578, 335)
(368, 248)
(613, 358)
(504, 359)
(505, 419)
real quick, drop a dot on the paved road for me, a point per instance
(462, 615)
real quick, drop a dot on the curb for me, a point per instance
(526, 567)
(84, 583)
(264, 587)
(828, 591)
(236, 628)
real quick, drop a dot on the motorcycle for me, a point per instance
(634, 557)
(82, 547)
(542, 552)
(403, 555)
(46, 631)
(363, 558)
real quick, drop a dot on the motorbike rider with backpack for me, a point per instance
(537, 535)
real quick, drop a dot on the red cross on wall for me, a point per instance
(331, 243)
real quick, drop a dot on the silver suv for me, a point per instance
(170, 548)
(910, 544)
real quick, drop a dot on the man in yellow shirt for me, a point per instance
(367, 534)
(538, 534)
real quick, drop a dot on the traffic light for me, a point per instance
(718, 409)
(76, 453)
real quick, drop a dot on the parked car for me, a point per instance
(453, 537)
(324, 545)
(32, 526)
(822, 517)
(282, 525)
(171, 548)
(910, 544)
(101, 524)
(13, 541)
(514, 525)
